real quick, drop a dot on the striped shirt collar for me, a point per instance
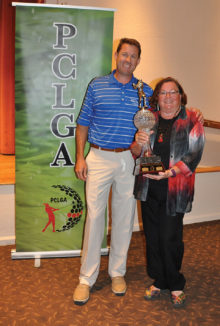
(115, 81)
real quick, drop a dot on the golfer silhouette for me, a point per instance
(51, 216)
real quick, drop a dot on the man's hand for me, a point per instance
(198, 113)
(81, 169)
(81, 166)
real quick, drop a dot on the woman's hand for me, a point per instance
(141, 137)
(159, 176)
(172, 172)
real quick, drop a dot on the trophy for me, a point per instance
(145, 120)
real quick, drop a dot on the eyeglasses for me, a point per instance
(171, 93)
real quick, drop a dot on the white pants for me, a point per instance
(106, 169)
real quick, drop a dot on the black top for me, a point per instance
(162, 148)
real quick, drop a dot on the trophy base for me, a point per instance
(150, 164)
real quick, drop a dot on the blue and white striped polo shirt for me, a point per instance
(108, 109)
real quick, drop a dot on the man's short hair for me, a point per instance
(130, 41)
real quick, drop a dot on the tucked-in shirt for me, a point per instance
(108, 110)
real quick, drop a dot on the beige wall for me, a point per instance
(180, 38)
(7, 215)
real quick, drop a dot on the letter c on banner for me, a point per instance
(57, 63)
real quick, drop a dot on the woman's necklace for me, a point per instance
(165, 127)
(163, 131)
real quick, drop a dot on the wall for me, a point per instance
(211, 153)
(7, 220)
(181, 39)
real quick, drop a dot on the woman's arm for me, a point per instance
(141, 137)
(191, 159)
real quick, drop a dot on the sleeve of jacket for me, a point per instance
(191, 159)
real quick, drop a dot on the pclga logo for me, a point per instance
(64, 205)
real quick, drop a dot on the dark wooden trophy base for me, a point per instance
(152, 164)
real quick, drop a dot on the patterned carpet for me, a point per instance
(43, 296)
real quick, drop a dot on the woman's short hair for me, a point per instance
(154, 97)
(130, 41)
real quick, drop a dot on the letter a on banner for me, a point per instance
(58, 51)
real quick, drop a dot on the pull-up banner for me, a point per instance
(59, 49)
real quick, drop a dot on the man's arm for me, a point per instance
(198, 113)
(81, 138)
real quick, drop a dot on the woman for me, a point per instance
(165, 197)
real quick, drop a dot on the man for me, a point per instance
(106, 119)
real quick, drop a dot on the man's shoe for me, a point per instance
(81, 294)
(178, 300)
(119, 285)
(152, 293)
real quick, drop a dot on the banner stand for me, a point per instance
(58, 51)
(51, 254)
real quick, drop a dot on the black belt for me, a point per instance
(117, 150)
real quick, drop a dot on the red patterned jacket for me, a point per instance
(186, 147)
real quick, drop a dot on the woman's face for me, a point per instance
(169, 98)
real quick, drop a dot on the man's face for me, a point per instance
(127, 59)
